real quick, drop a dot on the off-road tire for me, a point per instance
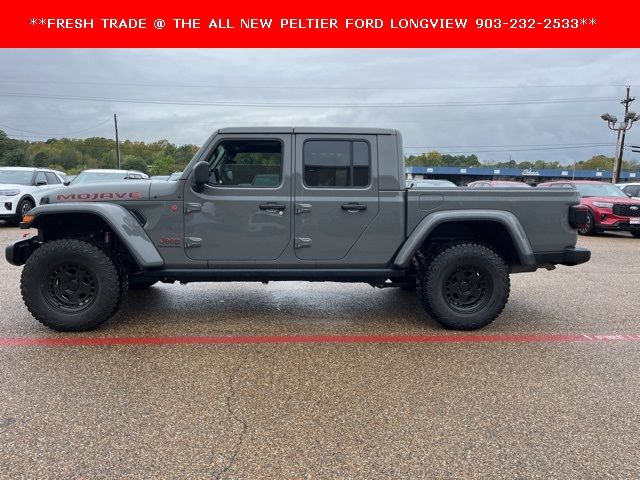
(590, 228)
(141, 285)
(446, 281)
(51, 265)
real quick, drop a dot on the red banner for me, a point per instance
(310, 24)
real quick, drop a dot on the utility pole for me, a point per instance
(115, 122)
(617, 166)
(620, 128)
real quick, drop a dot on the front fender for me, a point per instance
(123, 224)
(427, 224)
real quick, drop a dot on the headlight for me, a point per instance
(9, 193)
(603, 204)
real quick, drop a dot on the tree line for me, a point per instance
(74, 155)
(437, 159)
(163, 157)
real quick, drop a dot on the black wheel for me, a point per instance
(465, 287)
(141, 284)
(635, 233)
(71, 285)
(589, 228)
(23, 207)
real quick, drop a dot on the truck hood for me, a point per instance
(127, 190)
(12, 186)
(619, 200)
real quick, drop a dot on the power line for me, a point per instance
(309, 87)
(57, 134)
(313, 105)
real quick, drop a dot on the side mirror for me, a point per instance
(200, 175)
(39, 183)
(66, 183)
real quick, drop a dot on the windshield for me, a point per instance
(98, 177)
(599, 190)
(15, 177)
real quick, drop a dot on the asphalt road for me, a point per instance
(540, 408)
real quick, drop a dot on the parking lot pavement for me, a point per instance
(529, 409)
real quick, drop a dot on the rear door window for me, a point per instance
(52, 179)
(336, 163)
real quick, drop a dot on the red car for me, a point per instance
(609, 207)
(497, 183)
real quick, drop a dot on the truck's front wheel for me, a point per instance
(71, 285)
(465, 287)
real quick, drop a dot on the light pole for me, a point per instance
(621, 128)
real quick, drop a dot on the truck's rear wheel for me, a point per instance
(71, 285)
(465, 287)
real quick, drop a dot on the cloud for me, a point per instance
(453, 100)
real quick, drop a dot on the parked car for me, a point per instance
(632, 189)
(430, 184)
(107, 175)
(609, 207)
(22, 188)
(316, 204)
(497, 183)
(175, 176)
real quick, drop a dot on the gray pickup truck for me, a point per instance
(306, 204)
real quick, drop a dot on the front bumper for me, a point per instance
(619, 226)
(19, 251)
(570, 256)
(605, 219)
(8, 206)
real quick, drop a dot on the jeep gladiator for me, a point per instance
(304, 204)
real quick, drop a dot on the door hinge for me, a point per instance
(192, 242)
(303, 208)
(302, 242)
(192, 207)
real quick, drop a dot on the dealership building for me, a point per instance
(465, 175)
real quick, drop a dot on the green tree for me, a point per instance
(130, 162)
(163, 166)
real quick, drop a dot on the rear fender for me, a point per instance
(430, 222)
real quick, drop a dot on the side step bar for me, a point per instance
(366, 275)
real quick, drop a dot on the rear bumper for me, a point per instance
(570, 256)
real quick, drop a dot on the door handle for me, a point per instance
(272, 207)
(353, 207)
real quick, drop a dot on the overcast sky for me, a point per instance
(520, 99)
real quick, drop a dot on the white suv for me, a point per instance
(22, 188)
(632, 188)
